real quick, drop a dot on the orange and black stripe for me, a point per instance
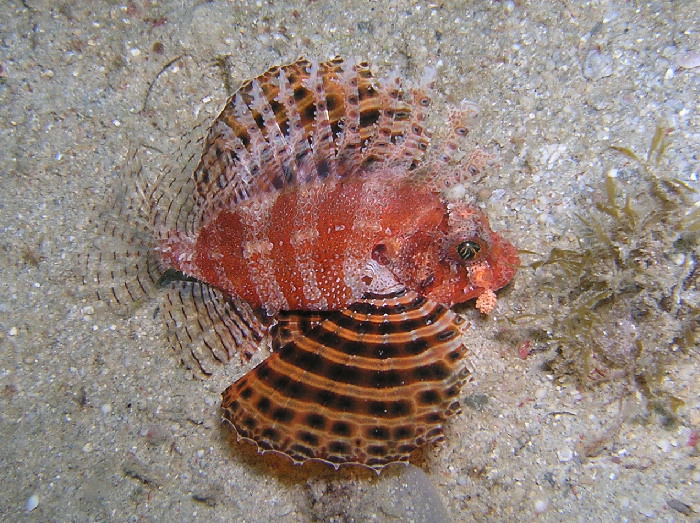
(366, 385)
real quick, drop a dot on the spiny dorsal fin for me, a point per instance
(367, 385)
(322, 140)
(416, 139)
(304, 122)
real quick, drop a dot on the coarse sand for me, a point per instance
(99, 422)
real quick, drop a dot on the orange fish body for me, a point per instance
(319, 246)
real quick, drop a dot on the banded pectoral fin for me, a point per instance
(366, 385)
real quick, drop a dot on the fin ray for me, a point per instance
(207, 329)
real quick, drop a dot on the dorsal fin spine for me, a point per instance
(299, 145)
(350, 141)
(258, 143)
(415, 139)
(233, 175)
(322, 140)
(244, 161)
(381, 139)
(275, 138)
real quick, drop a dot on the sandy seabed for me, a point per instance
(97, 419)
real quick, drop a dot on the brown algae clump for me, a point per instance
(626, 301)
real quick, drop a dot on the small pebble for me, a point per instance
(32, 502)
(13, 331)
(541, 506)
(565, 455)
(551, 153)
(689, 60)
(88, 309)
(543, 218)
(597, 65)
(679, 506)
(678, 259)
(497, 194)
(476, 401)
(456, 192)
(664, 445)
(483, 194)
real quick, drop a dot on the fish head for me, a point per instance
(451, 255)
(475, 261)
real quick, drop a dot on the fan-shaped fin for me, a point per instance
(366, 385)
(123, 266)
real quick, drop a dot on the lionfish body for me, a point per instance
(324, 245)
(312, 206)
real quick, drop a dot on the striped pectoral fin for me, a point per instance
(207, 328)
(121, 266)
(367, 385)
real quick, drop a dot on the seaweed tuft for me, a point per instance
(626, 300)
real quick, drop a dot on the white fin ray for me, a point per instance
(322, 141)
(350, 141)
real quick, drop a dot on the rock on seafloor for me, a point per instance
(407, 495)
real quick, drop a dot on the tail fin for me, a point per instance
(123, 266)
(125, 269)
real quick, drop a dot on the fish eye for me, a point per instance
(468, 249)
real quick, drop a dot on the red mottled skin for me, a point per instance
(407, 229)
